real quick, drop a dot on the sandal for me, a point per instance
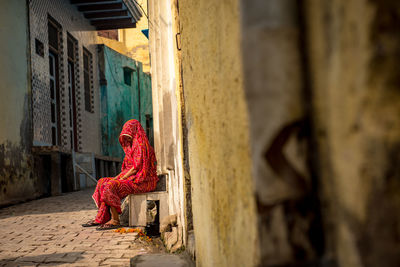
(91, 223)
(108, 227)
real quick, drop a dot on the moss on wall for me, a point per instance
(218, 140)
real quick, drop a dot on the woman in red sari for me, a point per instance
(138, 175)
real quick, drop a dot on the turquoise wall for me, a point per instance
(119, 100)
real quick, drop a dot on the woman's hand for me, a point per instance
(129, 173)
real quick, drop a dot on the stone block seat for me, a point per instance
(138, 203)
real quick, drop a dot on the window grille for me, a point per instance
(88, 80)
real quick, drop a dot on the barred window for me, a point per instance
(88, 80)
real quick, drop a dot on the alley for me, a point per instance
(245, 133)
(48, 232)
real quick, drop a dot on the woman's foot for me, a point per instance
(113, 222)
(107, 226)
(91, 223)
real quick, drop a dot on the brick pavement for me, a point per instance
(48, 232)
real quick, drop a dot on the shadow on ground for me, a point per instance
(76, 201)
(48, 259)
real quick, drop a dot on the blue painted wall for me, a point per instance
(125, 94)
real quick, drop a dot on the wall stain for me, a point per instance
(16, 161)
(378, 236)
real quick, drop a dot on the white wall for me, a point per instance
(166, 111)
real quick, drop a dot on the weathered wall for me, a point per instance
(167, 110)
(120, 101)
(321, 86)
(277, 98)
(354, 51)
(146, 101)
(16, 178)
(224, 214)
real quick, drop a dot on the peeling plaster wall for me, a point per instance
(224, 215)
(17, 181)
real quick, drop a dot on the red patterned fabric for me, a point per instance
(138, 154)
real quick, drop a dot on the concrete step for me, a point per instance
(138, 203)
(138, 207)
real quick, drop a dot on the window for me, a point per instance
(72, 47)
(128, 76)
(54, 35)
(54, 32)
(88, 80)
(39, 47)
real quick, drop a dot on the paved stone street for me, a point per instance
(48, 232)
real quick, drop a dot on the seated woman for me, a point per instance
(138, 175)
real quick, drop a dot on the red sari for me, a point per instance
(139, 155)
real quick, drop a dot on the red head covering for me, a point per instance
(138, 152)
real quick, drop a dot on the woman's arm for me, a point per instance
(131, 172)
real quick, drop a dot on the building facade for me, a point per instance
(132, 42)
(125, 94)
(136, 41)
(66, 110)
(55, 74)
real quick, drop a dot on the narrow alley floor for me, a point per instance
(48, 232)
